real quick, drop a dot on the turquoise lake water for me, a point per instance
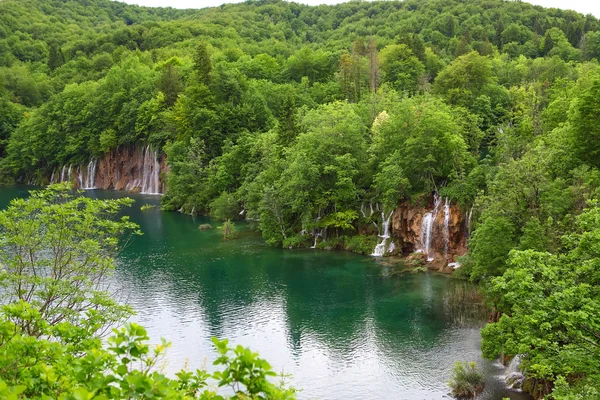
(344, 326)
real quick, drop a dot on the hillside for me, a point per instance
(357, 126)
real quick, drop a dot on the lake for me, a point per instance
(344, 326)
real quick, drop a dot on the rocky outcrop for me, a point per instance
(441, 238)
(134, 168)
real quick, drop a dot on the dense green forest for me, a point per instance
(297, 116)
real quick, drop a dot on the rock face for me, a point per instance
(438, 229)
(134, 168)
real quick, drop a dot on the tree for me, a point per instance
(170, 82)
(421, 139)
(463, 80)
(57, 250)
(551, 311)
(202, 63)
(56, 57)
(74, 365)
(587, 133)
(373, 66)
(400, 67)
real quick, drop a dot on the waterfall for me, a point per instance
(427, 227)
(90, 177)
(391, 247)
(150, 172)
(469, 215)
(316, 235)
(446, 226)
(62, 173)
(52, 177)
(380, 247)
(79, 177)
(514, 377)
(70, 170)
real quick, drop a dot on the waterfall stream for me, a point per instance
(446, 226)
(90, 178)
(380, 249)
(150, 172)
(469, 215)
(427, 227)
(513, 376)
(79, 177)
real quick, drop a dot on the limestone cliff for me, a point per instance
(438, 229)
(134, 168)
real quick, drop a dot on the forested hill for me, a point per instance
(307, 119)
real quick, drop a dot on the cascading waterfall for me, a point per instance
(90, 178)
(70, 171)
(316, 235)
(446, 226)
(427, 227)
(391, 247)
(150, 172)
(79, 177)
(469, 215)
(380, 249)
(52, 177)
(513, 377)
(62, 173)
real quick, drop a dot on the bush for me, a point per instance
(334, 243)
(224, 207)
(228, 229)
(361, 244)
(65, 362)
(466, 381)
(297, 241)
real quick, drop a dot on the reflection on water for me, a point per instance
(340, 326)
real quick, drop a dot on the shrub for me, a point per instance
(65, 362)
(228, 229)
(297, 241)
(224, 207)
(361, 244)
(466, 381)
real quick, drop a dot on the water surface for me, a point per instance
(344, 326)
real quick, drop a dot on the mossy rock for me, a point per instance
(205, 227)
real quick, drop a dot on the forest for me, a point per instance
(298, 116)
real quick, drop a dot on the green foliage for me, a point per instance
(224, 207)
(587, 134)
(57, 249)
(401, 68)
(228, 229)
(77, 366)
(466, 380)
(550, 306)
(361, 244)
(463, 80)
(300, 116)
